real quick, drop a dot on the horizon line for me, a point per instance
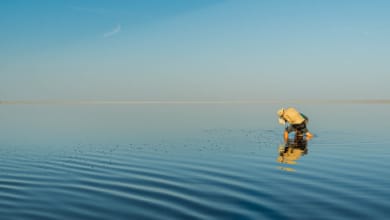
(191, 102)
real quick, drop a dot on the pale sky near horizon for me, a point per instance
(194, 49)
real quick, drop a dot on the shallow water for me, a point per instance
(191, 162)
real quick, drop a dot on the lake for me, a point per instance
(192, 161)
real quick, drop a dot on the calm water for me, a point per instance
(192, 162)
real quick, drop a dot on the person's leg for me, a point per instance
(305, 131)
(309, 135)
(300, 129)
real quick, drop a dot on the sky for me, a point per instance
(194, 49)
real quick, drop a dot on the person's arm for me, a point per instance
(285, 135)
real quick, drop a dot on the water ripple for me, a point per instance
(122, 182)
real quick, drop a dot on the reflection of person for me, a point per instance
(292, 150)
(296, 122)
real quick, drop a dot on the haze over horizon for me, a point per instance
(194, 50)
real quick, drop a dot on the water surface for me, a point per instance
(192, 162)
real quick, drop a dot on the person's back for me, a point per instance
(292, 116)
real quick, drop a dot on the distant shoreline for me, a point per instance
(188, 102)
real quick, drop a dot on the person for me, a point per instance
(294, 121)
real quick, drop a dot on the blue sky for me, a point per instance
(194, 50)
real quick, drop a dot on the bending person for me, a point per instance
(294, 121)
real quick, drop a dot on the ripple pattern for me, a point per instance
(211, 178)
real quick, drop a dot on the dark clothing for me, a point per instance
(300, 129)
